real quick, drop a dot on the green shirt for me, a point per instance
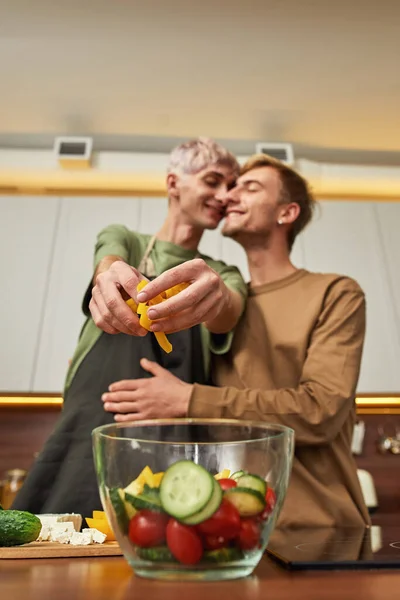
(130, 246)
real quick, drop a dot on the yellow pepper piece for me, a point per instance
(132, 304)
(223, 475)
(144, 320)
(157, 477)
(176, 289)
(142, 307)
(134, 488)
(163, 341)
(146, 476)
(103, 526)
(141, 285)
(99, 514)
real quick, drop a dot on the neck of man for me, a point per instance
(268, 262)
(178, 231)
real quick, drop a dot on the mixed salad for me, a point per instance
(188, 515)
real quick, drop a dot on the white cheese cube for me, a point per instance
(44, 534)
(49, 519)
(97, 536)
(63, 538)
(59, 528)
(80, 539)
(73, 518)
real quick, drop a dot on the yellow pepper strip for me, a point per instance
(103, 526)
(157, 299)
(176, 289)
(141, 285)
(99, 514)
(157, 477)
(144, 320)
(146, 476)
(223, 474)
(132, 304)
(163, 341)
(142, 308)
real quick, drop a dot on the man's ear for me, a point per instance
(172, 186)
(288, 213)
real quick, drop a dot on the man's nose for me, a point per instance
(231, 196)
(226, 195)
(222, 195)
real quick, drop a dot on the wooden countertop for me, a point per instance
(113, 579)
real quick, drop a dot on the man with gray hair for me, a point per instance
(199, 174)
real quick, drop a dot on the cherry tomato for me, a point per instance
(215, 542)
(227, 484)
(249, 535)
(270, 498)
(270, 501)
(225, 522)
(184, 543)
(147, 528)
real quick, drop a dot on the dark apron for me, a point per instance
(63, 479)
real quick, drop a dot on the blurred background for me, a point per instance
(318, 80)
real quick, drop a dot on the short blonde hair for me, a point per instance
(195, 155)
(294, 189)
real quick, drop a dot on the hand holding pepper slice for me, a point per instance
(142, 308)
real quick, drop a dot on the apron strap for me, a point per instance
(146, 266)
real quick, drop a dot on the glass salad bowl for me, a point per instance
(193, 498)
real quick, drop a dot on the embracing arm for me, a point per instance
(318, 407)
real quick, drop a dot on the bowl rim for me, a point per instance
(278, 429)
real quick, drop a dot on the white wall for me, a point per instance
(47, 245)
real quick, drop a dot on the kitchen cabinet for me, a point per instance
(47, 247)
(28, 227)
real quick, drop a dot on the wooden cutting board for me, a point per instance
(57, 550)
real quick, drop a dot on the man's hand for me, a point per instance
(108, 307)
(158, 397)
(205, 300)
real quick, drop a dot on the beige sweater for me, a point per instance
(295, 360)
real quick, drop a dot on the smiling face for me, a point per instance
(253, 205)
(202, 196)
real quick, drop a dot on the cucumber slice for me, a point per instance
(149, 498)
(156, 554)
(185, 489)
(210, 508)
(119, 507)
(253, 482)
(248, 502)
(223, 555)
(237, 475)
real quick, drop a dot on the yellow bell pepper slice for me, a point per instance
(223, 474)
(144, 320)
(146, 476)
(132, 304)
(176, 289)
(99, 514)
(141, 285)
(157, 478)
(142, 308)
(163, 341)
(103, 526)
